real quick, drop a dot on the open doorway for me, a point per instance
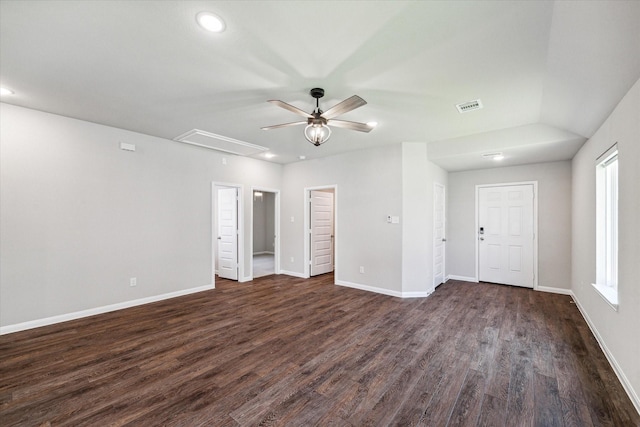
(265, 224)
(320, 220)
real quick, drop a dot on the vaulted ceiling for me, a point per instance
(548, 73)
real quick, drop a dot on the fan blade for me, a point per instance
(344, 107)
(284, 125)
(291, 108)
(362, 127)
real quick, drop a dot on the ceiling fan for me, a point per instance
(317, 131)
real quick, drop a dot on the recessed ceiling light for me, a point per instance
(269, 155)
(498, 157)
(5, 91)
(210, 22)
(302, 157)
(372, 124)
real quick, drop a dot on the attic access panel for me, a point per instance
(217, 142)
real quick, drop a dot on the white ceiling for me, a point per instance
(548, 73)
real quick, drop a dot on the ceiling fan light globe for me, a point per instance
(317, 134)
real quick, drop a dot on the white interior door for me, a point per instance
(228, 233)
(438, 234)
(321, 209)
(505, 234)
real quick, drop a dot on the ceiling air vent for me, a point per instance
(469, 106)
(220, 143)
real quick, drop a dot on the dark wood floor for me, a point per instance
(287, 351)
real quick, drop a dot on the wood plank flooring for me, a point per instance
(287, 351)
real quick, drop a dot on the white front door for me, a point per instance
(321, 208)
(438, 234)
(505, 234)
(228, 233)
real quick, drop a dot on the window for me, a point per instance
(607, 226)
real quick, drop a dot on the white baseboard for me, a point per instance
(421, 294)
(612, 360)
(368, 288)
(554, 290)
(98, 310)
(293, 273)
(382, 291)
(245, 279)
(462, 278)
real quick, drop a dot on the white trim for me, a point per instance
(608, 155)
(626, 384)
(444, 226)
(382, 291)
(535, 225)
(264, 253)
(368, 288)
(462, 278)
(608, 294)
(294, 274)
(99, 310)
(307, 225)
(420, 294)
(553, 290)
(214, 225)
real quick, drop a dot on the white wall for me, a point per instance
(369, 187)
(79, 216)
(554, 218)
(618, 331)
(418, 177)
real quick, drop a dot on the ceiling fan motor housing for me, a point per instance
(317, 92)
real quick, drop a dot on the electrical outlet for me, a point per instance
(133, 281)
(361, 270)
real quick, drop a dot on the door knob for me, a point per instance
(482, 238)
(444, 240)
(219, 238)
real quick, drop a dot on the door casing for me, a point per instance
(320, 233)
(214, 227)
(307, 225)
(442, 237)
(535, 225)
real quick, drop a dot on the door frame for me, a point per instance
(214, 227)
(535, 225)
(276, 247)
(444, 242)
(307, 225)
